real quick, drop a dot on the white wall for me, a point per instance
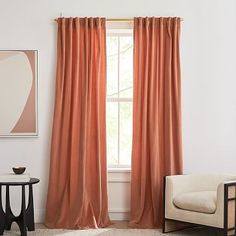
(208, 78)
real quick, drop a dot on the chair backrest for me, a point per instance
(207, 182)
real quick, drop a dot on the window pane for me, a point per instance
(126, 66)
(119, 111)
(112, 66)
(125, 132)
(112, 133)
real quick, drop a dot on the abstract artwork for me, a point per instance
(18, 93)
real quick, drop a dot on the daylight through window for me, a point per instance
(119, 98)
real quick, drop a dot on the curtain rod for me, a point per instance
(122, 19)
(127, 19)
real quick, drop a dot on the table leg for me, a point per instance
(30, 211)
(2, 214)
(9, 214)
(22, 218)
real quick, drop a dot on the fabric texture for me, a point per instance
(157, 148)
(204, 201)
(77, 193)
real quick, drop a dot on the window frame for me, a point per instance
(119, 30)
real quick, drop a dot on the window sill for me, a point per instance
(119, 169)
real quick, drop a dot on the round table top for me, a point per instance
(32, 181)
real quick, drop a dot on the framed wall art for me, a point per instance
(18, 93)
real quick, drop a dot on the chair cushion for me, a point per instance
(204, 201)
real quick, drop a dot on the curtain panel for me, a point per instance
(157, 149)
(77, 192)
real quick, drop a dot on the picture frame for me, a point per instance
(19, 93)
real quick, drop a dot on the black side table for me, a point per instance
(26, 218)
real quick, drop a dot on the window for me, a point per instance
(119, 97)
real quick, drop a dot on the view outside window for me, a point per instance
(119, 99)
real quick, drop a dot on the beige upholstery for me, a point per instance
(184, 198)
(203, 201)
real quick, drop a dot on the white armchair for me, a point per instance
(208, 200)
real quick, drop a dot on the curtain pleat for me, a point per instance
(157, 145)
(77, 192)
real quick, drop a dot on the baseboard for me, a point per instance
(119, 214)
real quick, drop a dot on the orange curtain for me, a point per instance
(77, 194)
(157, 116)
